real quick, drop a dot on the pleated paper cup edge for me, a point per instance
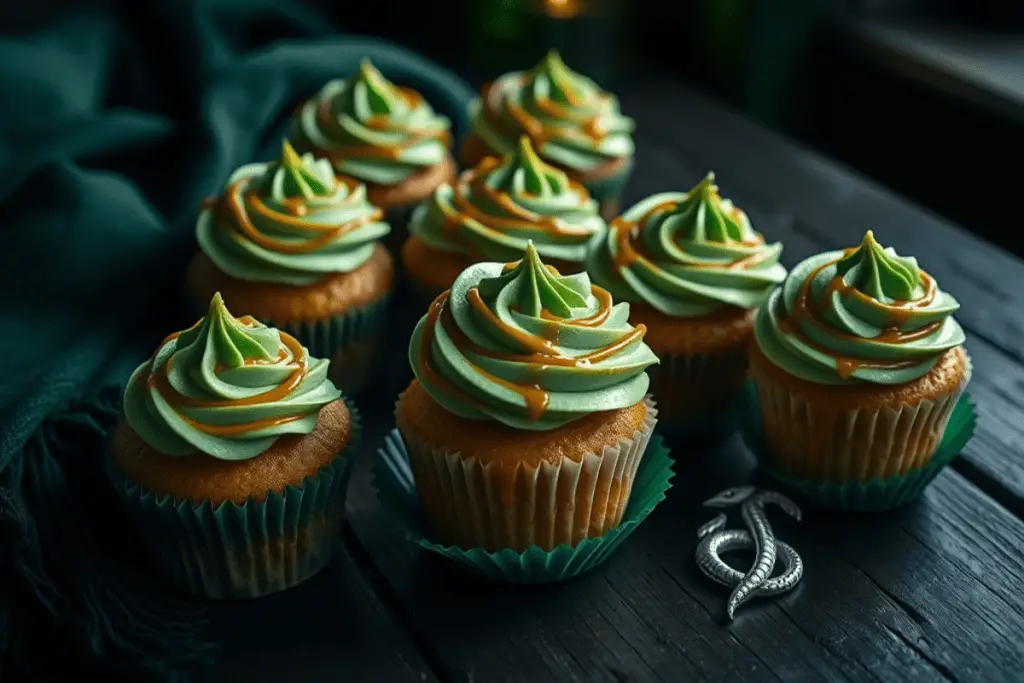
(490, 564)
(854, 495)
(335, 475)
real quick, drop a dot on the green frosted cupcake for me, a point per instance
(528, 417)
(572, 123)
(695, 271)
(490, 214)
(232, 457)
(385, 136)
(297, 247)
(858, 364)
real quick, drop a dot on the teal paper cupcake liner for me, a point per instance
(874, 494)
(349, 340)
(231, 551)
(396, 491)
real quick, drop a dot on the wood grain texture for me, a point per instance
(927, 593)
(923, 594)
(331, 628)
(813, 206)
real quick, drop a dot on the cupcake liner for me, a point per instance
(246, 550)
(349, 340)
(397, 492)
(876, 493)
(715, 379)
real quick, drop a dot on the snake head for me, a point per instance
(730, 497)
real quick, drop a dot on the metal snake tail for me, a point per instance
(715, 539)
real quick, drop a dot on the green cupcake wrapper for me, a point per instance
(874, 494)
(326, 336)
(396, 491)
(330, 337)
(231, 551)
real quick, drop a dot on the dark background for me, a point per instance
(925, 96)
(829, 73)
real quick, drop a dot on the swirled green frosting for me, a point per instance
(542, 205)
(867, 315)
(530, 352)
(227, 388)
(687, 255)
(271, 222)
(371, 129)
(579, 125)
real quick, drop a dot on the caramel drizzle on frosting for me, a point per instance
(473, 182)
(380, 122)
(897, 313)
(158, 380)
(589, 128)
(631, 248)
(542, 353)
(233, 204)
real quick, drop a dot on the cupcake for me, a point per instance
(528, 416)
(232, 456)
(695, 271)
(387, 137)
(572, 122)
(295, 246)
(858, 364)
(492, 212)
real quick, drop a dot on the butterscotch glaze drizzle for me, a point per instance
(631, 248)
(233, 204)
(897, 313)
(324, 115)
(540, 352)
(158, 380)
(589, 128)
(473, 183)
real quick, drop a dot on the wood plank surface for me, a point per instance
(331, 628)
(927, 593)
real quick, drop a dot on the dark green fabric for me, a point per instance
(114, 125)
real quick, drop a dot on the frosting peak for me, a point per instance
(227, 387)
(291, 221)
(523, 345)
(569, 119)
(541, 289)
(493, 210)
(687, 254)
(525, 173)
(372, 129)
(295, 179)
(880, 273)
(863, 315)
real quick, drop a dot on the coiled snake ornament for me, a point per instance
(715, 539)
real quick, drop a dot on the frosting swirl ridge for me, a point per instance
(687, 255)
(227, 387)
(496, 208)
(290, 222)
(372, 129)
(569, 119)
(520, 344)
(861, 315)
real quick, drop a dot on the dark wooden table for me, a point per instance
(932, 592)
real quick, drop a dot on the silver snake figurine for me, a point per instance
(716, 539)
